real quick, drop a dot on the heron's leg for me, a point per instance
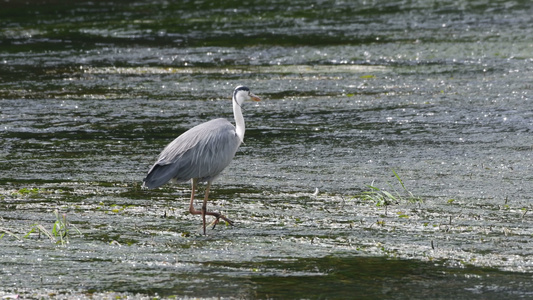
(204, 205)
(203, 211)
(192, 210)
(214, 214)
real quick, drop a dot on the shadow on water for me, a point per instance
(345, 278)
(379, 278)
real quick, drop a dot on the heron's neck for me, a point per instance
(239, 120)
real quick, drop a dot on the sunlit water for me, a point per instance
(353, 93)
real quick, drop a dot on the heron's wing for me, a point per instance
(201, 152)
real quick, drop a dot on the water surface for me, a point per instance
(91, 92)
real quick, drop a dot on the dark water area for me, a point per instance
(391, 156)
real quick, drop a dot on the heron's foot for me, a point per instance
(219, 216)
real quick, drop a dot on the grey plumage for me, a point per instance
(202, 153)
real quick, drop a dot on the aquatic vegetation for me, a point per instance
(27, 192)
(60, 232)
(8, 232)
(385, 198)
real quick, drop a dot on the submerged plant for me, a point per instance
(27, 192)
(384, 198)
(60, 230)
(5, 231)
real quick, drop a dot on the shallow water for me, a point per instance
(91, 92)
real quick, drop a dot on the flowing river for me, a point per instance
(390, 156)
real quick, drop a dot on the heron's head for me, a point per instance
(242, 94)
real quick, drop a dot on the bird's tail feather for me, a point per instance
(158, 175)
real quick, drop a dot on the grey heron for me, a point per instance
(201, 153)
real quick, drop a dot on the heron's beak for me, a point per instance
(254, 97)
